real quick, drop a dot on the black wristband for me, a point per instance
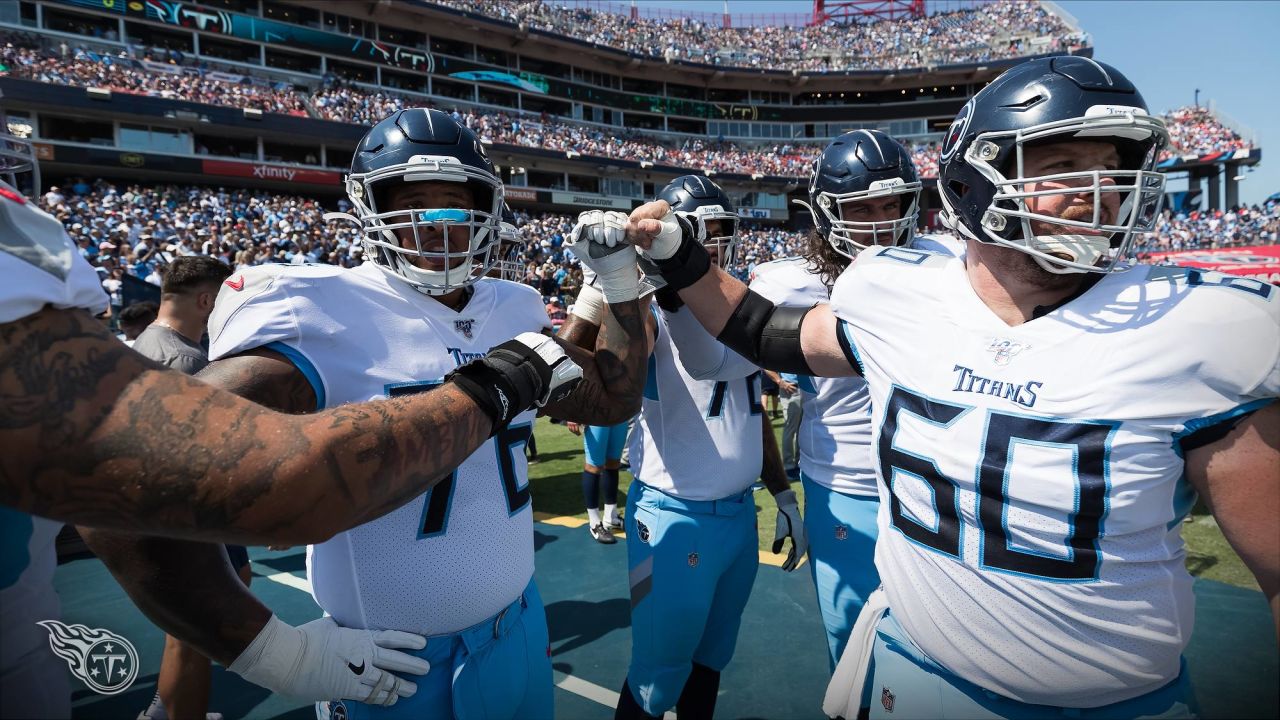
(505, 382)
(687, 266)
(668, 299)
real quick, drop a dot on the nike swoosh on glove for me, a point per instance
(323, 661)
(790, 525)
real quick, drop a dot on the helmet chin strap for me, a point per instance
(432, 277)
(1083, 249)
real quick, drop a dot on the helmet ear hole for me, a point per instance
(958, 188)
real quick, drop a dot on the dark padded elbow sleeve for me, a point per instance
(766, 334)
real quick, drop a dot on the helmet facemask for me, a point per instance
(725, 242)
(368, 193)
(1103, 245)
(508, 263)
(849, 237)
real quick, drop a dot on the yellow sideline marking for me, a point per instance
(561, 520)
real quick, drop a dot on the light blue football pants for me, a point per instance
(496, 669)
(842, 548)
(692, 564)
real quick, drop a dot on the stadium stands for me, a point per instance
(971, 35)
(1195, 130)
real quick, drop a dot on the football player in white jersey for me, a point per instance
(455, 565)
(1045, 413)
(864, 192)
(691, 532)
(94, 433)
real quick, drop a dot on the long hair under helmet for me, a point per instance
(856, 167)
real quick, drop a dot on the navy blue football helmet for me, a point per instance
(856, 167)
(1051, 100)
(698, 200)
(421, 145)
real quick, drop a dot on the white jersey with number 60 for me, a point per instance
(1031, 477)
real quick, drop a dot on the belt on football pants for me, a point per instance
(476, 637)
(844, 692)
(731, 505)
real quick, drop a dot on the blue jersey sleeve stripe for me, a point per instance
(845, 336)
(304, 364)
(1202, 431)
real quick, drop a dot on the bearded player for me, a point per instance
(1045, 413)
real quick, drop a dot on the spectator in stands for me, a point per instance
(135, 318)
(974, 34)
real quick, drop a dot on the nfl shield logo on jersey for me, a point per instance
(693, 559)
(842, 532)
(886, 699)
(464, 327)
(1005, 350)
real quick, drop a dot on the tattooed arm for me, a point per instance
(97, 435)
(613, 376)
(187, 587)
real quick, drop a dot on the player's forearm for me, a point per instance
(614, 375)
(713, 298)
(188, 589)
(97, 435)
(579, 332)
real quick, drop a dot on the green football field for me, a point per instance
(557, 491)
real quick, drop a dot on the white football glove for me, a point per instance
(322, 661)
(790, 525)
(598, 240)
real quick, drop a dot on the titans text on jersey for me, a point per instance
(463, 551)
(1032, 481)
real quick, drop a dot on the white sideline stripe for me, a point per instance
(593, 692)
(284, 578)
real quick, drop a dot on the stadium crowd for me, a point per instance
(133, 230)
(348, 103)
(1194, 130)
(992, 31)
(1202, 230)
(138, 230)
(147, 73)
